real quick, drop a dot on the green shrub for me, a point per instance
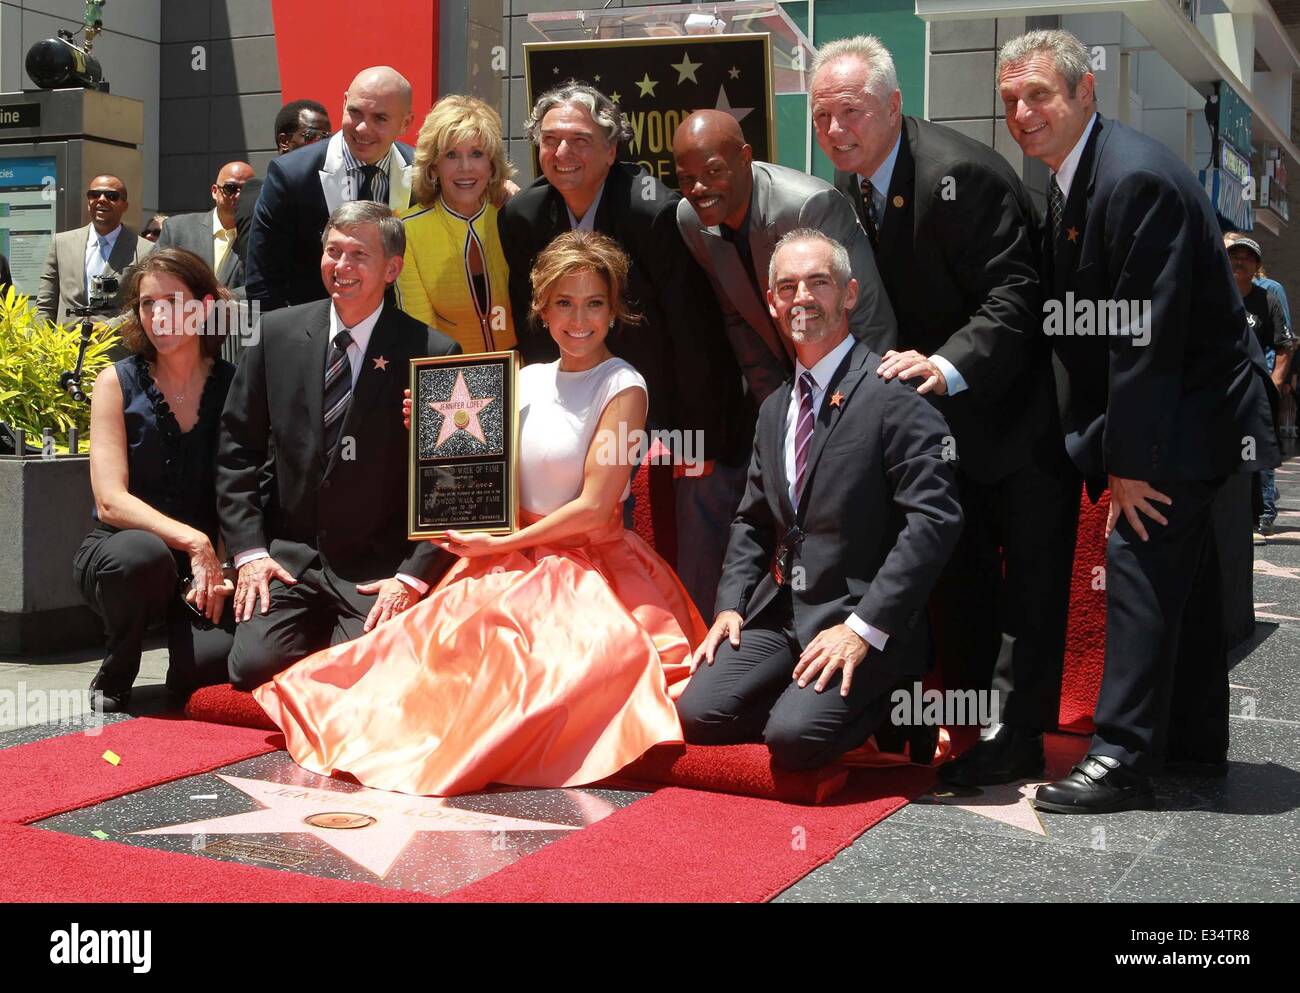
(34, 353)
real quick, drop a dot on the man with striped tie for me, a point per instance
(849, 514)
(326, 556)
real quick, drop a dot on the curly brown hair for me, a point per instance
(582, 251)
(197, 276)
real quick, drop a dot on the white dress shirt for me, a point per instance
(356, 350)
(821, 374)
(1065, 174)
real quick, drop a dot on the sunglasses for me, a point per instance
(151, 233)
(112, 196)
(311, 134)
(231, 189)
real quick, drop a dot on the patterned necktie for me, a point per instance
(98, 263)
(368, 191)
(1056, 203)
(869, 202)
(338, 390)
(803, 432)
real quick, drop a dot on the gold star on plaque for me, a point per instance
(1072, 234)
(647, 85)
(381, 364)
(686, 69)
(616, 96)
(733, 72)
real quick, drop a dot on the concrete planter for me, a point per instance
(45, 509)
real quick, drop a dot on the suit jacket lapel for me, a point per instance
(334, 175)
(318, 335)
(776, 471)
(850, 185)
(1065, 250)
(399, 180)
(123, 253)
(843, 382)
(902, 184)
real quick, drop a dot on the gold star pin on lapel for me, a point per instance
(381, 364)
(837, 399)
(1072, 234)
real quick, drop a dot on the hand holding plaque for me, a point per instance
(464, 443)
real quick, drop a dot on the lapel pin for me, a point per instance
(837, 399)
(898, 200)
(381, 364)
(1072, 234)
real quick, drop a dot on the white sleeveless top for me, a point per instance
(558, 413)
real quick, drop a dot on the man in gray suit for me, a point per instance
(210, 234)
(733, 212)
(105, 247)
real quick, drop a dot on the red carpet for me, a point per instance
(1086, 629)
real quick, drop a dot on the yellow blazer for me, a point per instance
(434, 285)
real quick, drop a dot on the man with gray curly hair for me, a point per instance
(693, 381)
(1162, 394)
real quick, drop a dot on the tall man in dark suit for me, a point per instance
(298, 123)
(364, 161)
(691, 376)
(210, 234)
(1161, 396)
(326, 557)
(849, 515)
(958, 252)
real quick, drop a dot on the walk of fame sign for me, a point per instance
(657, 82)
(464, 445)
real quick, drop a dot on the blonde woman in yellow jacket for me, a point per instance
(455, 276)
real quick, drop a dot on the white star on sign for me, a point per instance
(724, 105)
(647, 85)
(733, 72)
(686, 69)
(397, 819)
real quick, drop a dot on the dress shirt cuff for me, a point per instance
(873, 636)
(956, 383)
(252, 555)
(419, 585)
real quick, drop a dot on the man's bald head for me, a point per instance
(226, 190)
(376, 109)
(713, 167)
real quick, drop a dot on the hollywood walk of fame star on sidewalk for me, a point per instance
(376, 848)
(460, 412)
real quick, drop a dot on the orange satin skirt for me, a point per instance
(554, 666)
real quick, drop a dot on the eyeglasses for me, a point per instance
(151, 233)
(231, 189)
(112, 196)
(311, 134)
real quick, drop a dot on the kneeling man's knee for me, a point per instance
(795, 746)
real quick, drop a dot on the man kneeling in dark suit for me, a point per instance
(322, 390)
(849, 514)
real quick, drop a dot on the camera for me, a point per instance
(103, 292)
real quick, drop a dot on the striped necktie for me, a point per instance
(1056, 201)
(803, 433)
(338, 390)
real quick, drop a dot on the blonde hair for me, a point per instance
(452, 120)
(582, 251)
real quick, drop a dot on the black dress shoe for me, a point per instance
(1004, 756)
(918, 741)
(110, 701)
(1097, 785)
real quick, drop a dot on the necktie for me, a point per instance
(1056, 203)
(368, 191)
(869, 202)
(98, 263)
(338, 389)
(803, 432)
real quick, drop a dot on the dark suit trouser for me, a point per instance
(312, 614)
(749, 695)
(1164, 690)
(1001, 604)
(132, 579)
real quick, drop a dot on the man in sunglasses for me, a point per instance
(210, 234)
(86, 267)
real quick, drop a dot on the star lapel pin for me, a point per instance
(1072, 234)
(837, 399)
(381, 364)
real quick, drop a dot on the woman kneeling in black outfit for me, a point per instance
(154, 552)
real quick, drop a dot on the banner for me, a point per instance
(657, 82)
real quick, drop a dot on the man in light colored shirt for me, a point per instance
(85, 267)
(849, 515)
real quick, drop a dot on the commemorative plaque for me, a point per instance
(464, 445)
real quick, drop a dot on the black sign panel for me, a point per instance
(657, 82)
(20, 115)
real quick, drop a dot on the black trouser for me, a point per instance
(1000, 607)
(312, 614)
(132, 579)
(1164, 689)
(749, 695)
